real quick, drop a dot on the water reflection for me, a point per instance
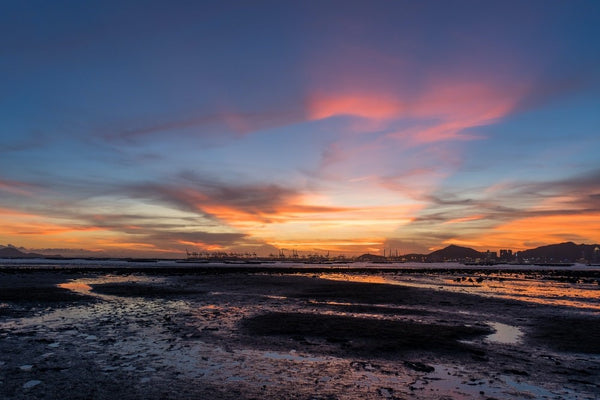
(534, 289)
(75, 286)
(505, 334)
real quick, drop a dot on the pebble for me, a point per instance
(26, 367)
(30, 384)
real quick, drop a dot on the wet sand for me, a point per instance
(254, 336)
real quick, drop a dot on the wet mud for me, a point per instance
(281, 336)
(366, 336)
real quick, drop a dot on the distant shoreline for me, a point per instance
(172, 268)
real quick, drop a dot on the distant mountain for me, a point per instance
(370, 258)
(453, 252)
(12, 252)
(568, 251)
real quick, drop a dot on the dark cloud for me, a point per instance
(259, 199)
(213, 238)
(480, 210)
(232, 122)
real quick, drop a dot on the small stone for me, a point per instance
(31, 383)
(26, 367)
(419, 366)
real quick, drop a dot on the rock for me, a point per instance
(31, 383)
(418, 366)
(515, 372)
(26, 367)
(387, 393)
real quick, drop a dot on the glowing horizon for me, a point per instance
(349, 128)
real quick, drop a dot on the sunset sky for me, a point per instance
(145, 128)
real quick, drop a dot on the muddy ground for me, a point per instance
(256, 336)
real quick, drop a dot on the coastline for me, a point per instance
(257, 334)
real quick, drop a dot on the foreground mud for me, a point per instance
(251, 336)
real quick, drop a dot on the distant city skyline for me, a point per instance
(148, 128)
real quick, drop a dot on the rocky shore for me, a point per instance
(254, 336)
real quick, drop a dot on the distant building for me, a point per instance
(490, 255)
(506, 255)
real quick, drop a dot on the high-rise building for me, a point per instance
(506, 255)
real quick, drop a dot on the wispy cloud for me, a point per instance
(515, 214)
(16, 188)
(365, 105)
(233, 122)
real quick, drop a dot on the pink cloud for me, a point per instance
(366, 105)
(440, 110)
(14, 187)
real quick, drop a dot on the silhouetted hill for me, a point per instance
(12, 252)
(568, 251)
(453, 252)
(370, 258)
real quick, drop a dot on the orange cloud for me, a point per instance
(464, 219)
(376, 106)
(14, 213)
(334, 245)
(202, 245)
(33, 230)
(523, 233)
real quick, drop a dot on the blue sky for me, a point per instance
(144, 128)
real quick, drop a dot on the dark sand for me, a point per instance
(255, 336)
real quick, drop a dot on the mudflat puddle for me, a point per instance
(458, 383)
(504, 334)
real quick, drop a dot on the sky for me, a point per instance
(147, 128)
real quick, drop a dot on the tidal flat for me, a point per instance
(105, 335)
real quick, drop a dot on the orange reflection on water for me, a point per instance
(579, 295)
(358, 278)
(532, 289)
(75, 286)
